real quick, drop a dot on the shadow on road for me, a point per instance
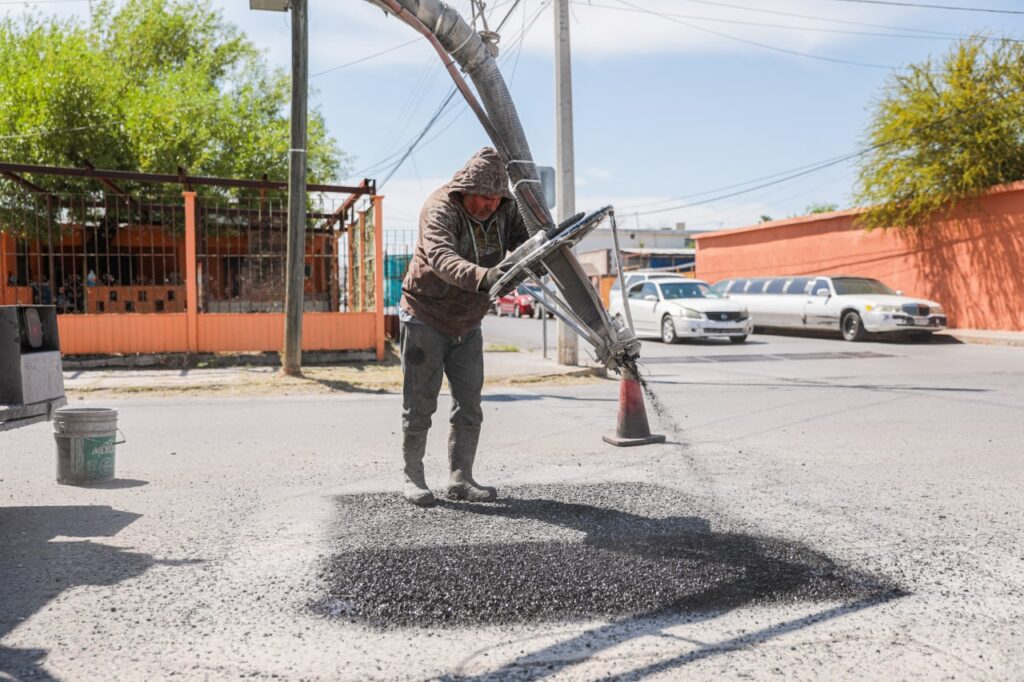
(37, 566)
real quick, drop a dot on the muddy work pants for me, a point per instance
(426, 355)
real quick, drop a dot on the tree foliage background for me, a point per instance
(150, 86)
(944, 131)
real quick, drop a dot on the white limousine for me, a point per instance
(674, 309)
(854, 306)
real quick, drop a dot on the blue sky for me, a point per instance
(662, 110)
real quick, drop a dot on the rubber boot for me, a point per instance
(462, 443)
(415, 490)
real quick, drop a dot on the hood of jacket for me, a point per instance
(484, 173)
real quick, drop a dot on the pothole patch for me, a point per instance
(562, 553)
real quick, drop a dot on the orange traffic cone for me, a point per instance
(632, 428)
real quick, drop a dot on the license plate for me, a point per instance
(922, 321)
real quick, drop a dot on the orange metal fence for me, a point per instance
(207, 277)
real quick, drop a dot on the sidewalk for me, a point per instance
(500, 368)
(985, 337)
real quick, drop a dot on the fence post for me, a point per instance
(349, 275)
(378, 283)
(3, 268)
(362, 261)
(191, 284)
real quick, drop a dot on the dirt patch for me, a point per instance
(315, 380)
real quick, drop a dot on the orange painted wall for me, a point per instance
(972, 262)
(265, 331)
(114, 333)
(168, 332)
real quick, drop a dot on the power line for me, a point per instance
(754, 42)
(366, 58)
(813, 168)
(451, 94)
(946, 7)
(846, 22)
(789, 27)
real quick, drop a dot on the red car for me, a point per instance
(517, 303)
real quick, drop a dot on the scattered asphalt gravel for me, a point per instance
(563, 553)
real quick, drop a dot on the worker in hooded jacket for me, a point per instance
(466, 228)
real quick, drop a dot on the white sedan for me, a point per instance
(854, 306)
(683, 308)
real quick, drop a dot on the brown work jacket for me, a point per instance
(454, 251)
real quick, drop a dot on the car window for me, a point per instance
(775, 286)
(756, 286)
(798, 286)
(523, 290)
(673, 290)
(636, 291)
(860, 285)
(738, 286)
(648, 289)
(820, 283)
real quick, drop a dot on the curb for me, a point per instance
(985, 339)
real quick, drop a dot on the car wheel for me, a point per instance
(853, 327)
(668, 330)
(738, 339)
(517, 312)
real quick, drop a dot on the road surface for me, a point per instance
(825, 510)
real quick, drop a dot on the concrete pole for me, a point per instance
(295, 270)
(565, 175)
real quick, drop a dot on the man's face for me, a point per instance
(481, 206)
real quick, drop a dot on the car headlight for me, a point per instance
(881, 308)
(689, 313)
(937, 310)
(744, 314)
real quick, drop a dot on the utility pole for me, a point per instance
(296, 267)
(565, 175)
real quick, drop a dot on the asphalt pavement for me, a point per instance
(822, 510)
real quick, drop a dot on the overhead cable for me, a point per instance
(927, 6)
(788, 27)
(832, 20)
(813, 168)
(754, 42)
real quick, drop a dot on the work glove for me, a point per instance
(492, 276)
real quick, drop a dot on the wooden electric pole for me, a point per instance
(296, 266)
(565, 175)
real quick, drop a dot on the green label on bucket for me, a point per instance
(99, 456)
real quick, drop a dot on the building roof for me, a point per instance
(666, 251)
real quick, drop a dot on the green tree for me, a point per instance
(943, 132)
(150, 85)
(820, 207)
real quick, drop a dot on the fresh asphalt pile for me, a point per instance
(562, 553)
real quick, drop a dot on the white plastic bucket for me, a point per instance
(86, 438)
